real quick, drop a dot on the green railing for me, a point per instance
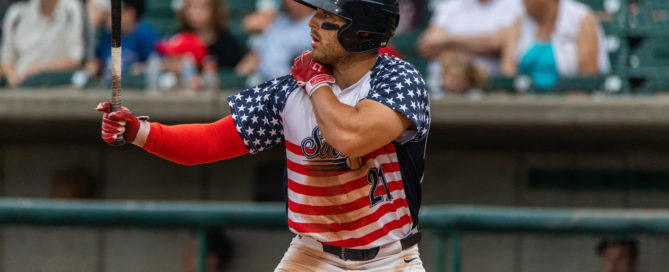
(443, 221)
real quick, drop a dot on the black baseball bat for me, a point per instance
(116, 62)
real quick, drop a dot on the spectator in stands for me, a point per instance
(471, 26)
(261, 19)
(208, 19)
(273, 53)
(618, 255)
(412, 14)
(73, 183)
(42, 36)
(220, 251)
(461, 75)
(138, 40)
(97, 12)
(556, 38)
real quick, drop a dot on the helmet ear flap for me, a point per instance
(348, 38)
(356, 41)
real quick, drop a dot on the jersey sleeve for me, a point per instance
(398, 85)
(257, 113)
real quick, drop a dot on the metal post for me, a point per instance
(439, 254)
(455, 250)
(202, 251)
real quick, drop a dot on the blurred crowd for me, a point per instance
(466, 42)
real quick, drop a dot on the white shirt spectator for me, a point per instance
(476, 18)
(30, 37)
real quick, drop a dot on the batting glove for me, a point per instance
(122, 122)
(310, 74)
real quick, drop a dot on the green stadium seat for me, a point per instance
(652, 19)
(228, 79)
(231, 81)
(134, 81)
(48, 80)
(160, 15)
(653, 86)
(501, 84)
(236, 11)
(581, 84)
(165, 26)
(240, 6)
(617, 46)
(649, 59)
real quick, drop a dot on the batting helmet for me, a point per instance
(371, 23)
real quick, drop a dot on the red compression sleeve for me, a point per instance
(196, 143)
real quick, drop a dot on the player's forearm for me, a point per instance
(195, 143)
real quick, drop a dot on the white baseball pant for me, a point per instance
(306, 254)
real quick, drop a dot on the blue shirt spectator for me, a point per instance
(280, 44)
(137, 40)
(284, 39)
(137, 46)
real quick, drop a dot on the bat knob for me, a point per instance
(120, 141)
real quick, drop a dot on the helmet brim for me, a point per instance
(326, 5)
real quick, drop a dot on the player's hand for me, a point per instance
(117, 123)
(310, 74)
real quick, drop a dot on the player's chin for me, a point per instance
(317, 55)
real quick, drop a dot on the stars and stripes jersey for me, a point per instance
(359, 202)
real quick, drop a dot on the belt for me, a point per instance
(369, 253)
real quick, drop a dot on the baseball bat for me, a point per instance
(116, 62)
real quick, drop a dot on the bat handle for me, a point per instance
(120, 141)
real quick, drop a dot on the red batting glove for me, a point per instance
(310, 74)
(117, 123)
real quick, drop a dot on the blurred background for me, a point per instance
(535, 103)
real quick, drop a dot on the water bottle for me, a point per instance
(210, 80)
(188, 72)
(153, 70)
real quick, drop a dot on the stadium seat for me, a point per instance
(649, 59)
(579, 84)
(236, 11)
(160, 15)
(48, 80)
(653, 86)
(501, 84)
(231, 81)
(652, 19)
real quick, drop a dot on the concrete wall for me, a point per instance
(453, 176)
(478, 162)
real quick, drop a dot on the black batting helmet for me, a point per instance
(377, 18)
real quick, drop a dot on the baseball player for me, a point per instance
(354, 123)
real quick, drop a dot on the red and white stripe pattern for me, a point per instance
(332, 204)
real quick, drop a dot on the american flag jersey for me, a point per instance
(359, 202)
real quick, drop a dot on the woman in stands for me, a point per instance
(555, 38)
(208, 19)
